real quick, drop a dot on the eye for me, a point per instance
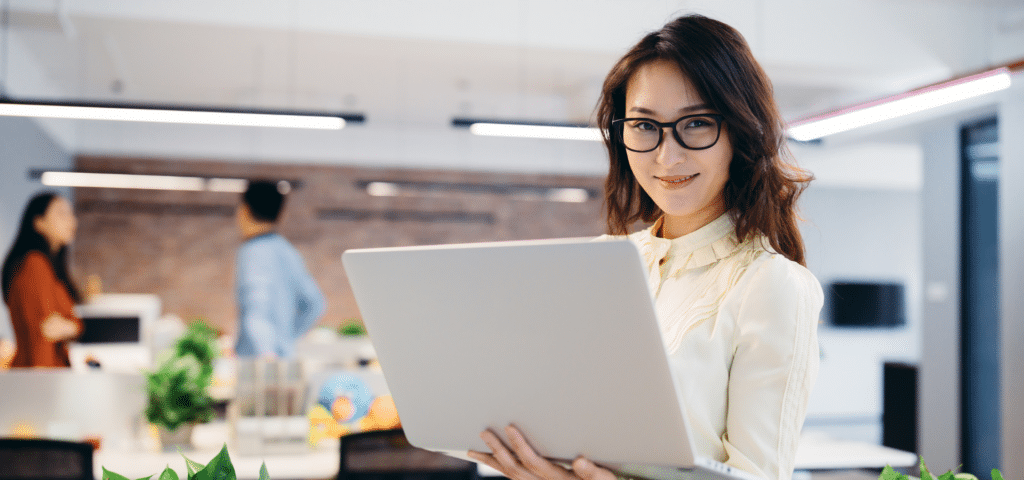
(643, 125)
(700, 122)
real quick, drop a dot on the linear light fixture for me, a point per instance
(177, 114)
(385, 188)
(528, 129)
(146, 182)
(899, 105)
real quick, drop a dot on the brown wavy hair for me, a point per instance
(763, 183)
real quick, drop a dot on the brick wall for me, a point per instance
(181, 245)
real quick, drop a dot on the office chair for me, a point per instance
(387, 455)
(44, 459)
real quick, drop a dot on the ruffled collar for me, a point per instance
(706, 245)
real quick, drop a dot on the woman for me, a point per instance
(697, 147)
(36, 285)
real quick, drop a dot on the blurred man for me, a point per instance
(278, 300)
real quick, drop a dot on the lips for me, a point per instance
(676, 180)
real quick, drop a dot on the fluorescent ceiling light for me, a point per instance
(545, 130)
(535, 131)
(167, 114)
(147, 182)
(382, 189)
(570, 195)
(900, 105)
(442, 189)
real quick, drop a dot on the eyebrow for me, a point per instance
(684, 110)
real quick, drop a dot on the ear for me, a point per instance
(243, 212)
(38, 223)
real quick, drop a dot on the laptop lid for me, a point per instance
(556, 336)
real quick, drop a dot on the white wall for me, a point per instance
(861, 234)
(939, 395)
(24, 146)
(1011, 270)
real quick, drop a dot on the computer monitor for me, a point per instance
(118, 332)
(867, 304)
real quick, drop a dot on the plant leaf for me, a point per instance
(965, 476)
(168, 474)
(889, 474)
(264, 475)
(219, 468)
(996, 474)
(191, 466)
(925, 474)
(108, 475)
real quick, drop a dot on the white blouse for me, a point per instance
(739, 323)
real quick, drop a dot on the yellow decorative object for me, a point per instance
(343, 409)
(382, 415)
(341, 419)
(23, 430)
(320, 422)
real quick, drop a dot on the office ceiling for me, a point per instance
(410, 64)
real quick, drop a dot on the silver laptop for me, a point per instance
(558, 337)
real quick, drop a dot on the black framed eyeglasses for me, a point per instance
(693, 132)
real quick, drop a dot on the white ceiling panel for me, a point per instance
(412, 65)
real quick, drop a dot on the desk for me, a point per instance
(321, 462)
(819, 451)
(816, 451)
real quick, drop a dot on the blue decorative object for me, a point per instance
(346, 385)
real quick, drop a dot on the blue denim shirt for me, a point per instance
(278, 300)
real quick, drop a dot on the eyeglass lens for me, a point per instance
(695, 132)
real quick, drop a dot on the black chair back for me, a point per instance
(44, 459)
(387, 455)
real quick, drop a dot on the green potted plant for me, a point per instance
(178, 389)
(890, 474)
(351, 327)
(220, 468)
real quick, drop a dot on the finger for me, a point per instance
(485, 458)
(587, 470)
(510, 465)
(529, 457)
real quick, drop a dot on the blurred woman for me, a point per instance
(37, 288)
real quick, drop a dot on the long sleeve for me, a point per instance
(309, 300)
(278, 300)
(255, 276)
(773, 369)
(36, 294)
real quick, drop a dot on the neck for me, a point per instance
(54, 247)
(257, 229)
(677, 226)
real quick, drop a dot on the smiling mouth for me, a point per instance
(676, 179)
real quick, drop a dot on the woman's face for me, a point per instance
(58, 224)
(686, 184)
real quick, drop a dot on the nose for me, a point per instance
(670, 152)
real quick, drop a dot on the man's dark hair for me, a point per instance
(264, 200)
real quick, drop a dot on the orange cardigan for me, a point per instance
(35, 294)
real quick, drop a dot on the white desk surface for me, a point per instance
(316, 464)
(321, 462)
(815, 452)
(818, 451)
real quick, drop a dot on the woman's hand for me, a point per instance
(57, 328)
(519, 461)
